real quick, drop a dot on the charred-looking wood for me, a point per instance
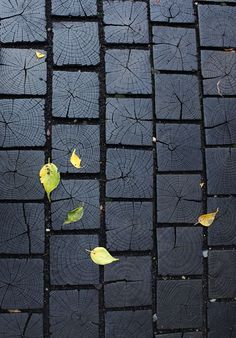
(145, 92)
(22, 21)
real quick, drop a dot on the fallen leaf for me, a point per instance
(39, 55)
(101, 256)
(75, 160)
(207, 219)
(49, 177)
(74, 215)
(201, 184)
(14, 311)
(229, 49)
(218, 88)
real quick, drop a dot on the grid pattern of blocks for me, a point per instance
(145, 91)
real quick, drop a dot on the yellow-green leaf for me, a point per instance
(49, 177)
(101, 256)
(74, 215)
(207, 219)
(39, 55)
(75, 160)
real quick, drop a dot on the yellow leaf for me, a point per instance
(207, 219)
(49, 177)
(39, 55)
(202, 184)
(75, 160)
(101, 256)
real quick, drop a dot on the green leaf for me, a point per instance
(49, 177)
(74, 215)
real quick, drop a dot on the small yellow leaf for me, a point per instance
(75, 160)
(207, 219)
(101, 256)
(39, 55)
(49, 177)
(202, 184)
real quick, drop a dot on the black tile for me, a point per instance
(223, 230)
(178, 147)
(85, 139)
(128, 71)
(132, 324)
(130, 278)
(179, 304)
(75, 94)
(221, 320)
(22, 21)
(74, 312)
(221, 170)
(217, 25)
(179, 251)
(129, 173)
(21, 283)
(129, 226)
(21, 72)
(178, 198)
(12, 325)
(74, 7)
(129, 121)
(222, 274)
(23, 122)
(22, 228)
(70, 263)
(19, 174)
(218, 71)
(172, 11)
(71, 194)
(177, 97)
(220, 120)
(174, 48)
(76, 43)
(126, 22)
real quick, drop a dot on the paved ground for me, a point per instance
(146, 92)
